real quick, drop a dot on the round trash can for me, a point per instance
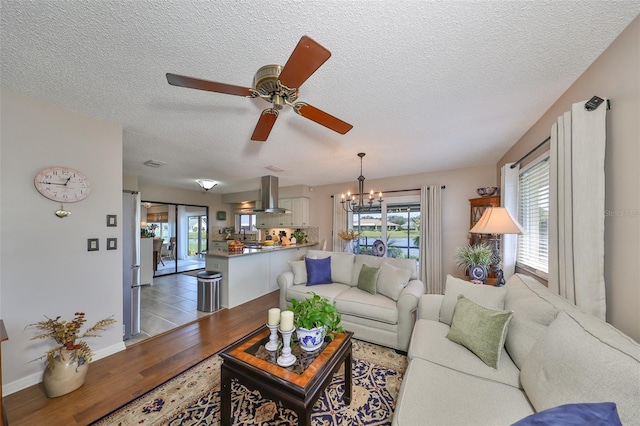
(209, 291)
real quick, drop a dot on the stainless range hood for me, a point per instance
(269, 196)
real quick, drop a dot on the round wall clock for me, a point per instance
(62, 184)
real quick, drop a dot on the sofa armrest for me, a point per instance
(285, 281)
(429, 306)
(407, 306)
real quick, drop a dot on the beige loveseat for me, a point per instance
(386, 317)
(553, 355)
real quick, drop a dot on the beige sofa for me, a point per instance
(386, 317)
(553, 355)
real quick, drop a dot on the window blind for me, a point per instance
(533, 247)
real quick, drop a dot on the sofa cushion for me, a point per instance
(363, 259)
(531, 315)
(575, 363)
(429, 342)
(330, 291)
(595, 413)
(484, 295)
(437, 395)
(365, 305)
(480, 330)
(392, 280)
(299, 269)
(400, 263)
(318, 271)
(368, 279)
(341, 264)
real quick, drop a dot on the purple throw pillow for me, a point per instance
(318, 271)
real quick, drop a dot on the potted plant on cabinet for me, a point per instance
(475, 259)
(315, 318)
(67, 363)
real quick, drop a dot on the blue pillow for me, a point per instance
(597, 413)
(318, 270)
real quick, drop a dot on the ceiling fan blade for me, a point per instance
(306, 58)
(265, 124)
(322, 118)
(210, 86)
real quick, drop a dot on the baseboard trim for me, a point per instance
(34, 379)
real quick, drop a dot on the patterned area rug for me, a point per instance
(193, 397)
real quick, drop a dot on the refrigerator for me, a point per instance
(131, 263)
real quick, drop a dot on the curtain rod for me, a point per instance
(401, 190)
(513, 166)
(590, 105)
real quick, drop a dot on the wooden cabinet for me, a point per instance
(477, 207)
(300, 207)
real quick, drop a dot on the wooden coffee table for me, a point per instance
(298, 386)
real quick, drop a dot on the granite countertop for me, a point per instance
(248, 251)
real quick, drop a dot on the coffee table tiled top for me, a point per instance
(251, 353)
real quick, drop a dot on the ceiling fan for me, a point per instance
(278, 85)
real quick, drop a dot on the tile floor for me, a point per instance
(170, 302)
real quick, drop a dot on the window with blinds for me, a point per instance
(533, 247)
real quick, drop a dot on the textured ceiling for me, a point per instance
(427, 85)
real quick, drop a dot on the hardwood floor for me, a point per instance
(119, 378)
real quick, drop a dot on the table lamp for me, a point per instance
(497, 221)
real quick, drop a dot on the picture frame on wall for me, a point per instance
(93, 244)
(221, 215)
(112, 243)
(112, 220)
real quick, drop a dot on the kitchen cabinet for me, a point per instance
(299, 218)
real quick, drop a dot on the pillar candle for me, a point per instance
(286, 321)
(274, 316)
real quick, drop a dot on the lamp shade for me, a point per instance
(497, 220)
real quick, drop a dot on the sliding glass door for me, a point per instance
(180, 235)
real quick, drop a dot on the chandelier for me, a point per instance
(355, 202)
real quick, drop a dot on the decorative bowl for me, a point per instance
(487, 191)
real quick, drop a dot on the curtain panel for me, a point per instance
(576, 208)
(341, 220)
(431, 239)
(509, 199)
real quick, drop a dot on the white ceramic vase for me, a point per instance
(310, 340)
(67, 374)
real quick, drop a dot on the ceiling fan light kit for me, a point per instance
(279, 86)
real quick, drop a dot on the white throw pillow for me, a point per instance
(392, 280)
(484, 295)
(299, 269)
(341, 267)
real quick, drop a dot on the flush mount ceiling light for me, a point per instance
(206, 184)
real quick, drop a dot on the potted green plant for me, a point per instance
(470, 256)
(315, 317)
(67, 363)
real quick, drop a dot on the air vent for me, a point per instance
(154, 163)
(274, 169)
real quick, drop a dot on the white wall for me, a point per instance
(614, 75)
(460, 185)
(45, 268)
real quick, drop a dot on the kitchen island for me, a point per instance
(252, 273)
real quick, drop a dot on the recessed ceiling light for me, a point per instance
(154, 163)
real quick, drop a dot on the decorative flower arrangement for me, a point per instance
(67, 333)
(349, 235)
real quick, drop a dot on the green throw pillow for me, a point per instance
(368, 279)
(481, 330)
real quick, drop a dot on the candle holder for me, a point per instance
(286, 358)
(272, 344)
